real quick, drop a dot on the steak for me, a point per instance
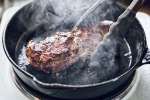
(58, 52)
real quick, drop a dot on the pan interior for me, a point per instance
(80, 73)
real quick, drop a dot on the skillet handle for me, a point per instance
(146, 59)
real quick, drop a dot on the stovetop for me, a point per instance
(9, 91)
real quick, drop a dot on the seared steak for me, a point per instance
(59, 51)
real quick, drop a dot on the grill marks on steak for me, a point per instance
(59, 51)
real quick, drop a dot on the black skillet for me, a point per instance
(135, 37)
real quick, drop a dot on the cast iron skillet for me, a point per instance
(135, 38)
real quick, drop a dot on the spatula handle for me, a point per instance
(144, 5)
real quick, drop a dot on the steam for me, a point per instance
(61, 15)
(52, 13)
(104, 58)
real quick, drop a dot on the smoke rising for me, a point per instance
(52, 13)
(59, 15)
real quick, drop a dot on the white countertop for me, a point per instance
(8, 90)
